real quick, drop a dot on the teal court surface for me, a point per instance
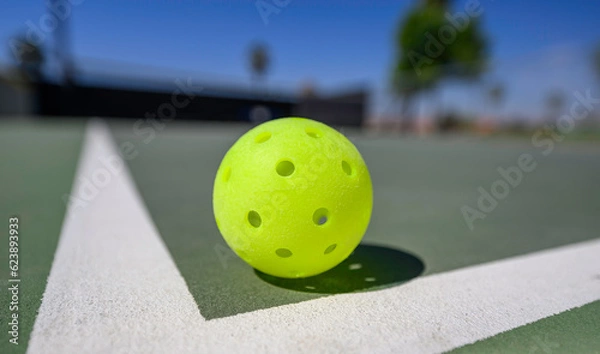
(118, 250)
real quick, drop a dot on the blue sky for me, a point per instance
(536, 46)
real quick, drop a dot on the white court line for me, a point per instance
(113, 287)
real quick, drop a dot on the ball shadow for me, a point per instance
(366, 268)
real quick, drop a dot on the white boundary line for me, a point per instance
(113, 287)
(430, 314)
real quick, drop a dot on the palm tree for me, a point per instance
(555, 100)
(596, 64)
(259, 61)
(596, 61)
(29, 58)
(496, 93)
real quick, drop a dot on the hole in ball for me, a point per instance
(262, 137)
(226, 174)
(254, 218)
(330, 248)
(320, 216)
(347, 168)
(285, 168)
(313, 132)
(283, 252)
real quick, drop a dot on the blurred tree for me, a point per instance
(308, 90)
(259, 61)
(29, 59)
(555, 100)
(596, 61)
(496, 93)
(62, 39)
(432, 46)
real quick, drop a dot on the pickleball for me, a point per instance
(292, 197)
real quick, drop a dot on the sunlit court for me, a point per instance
(282, 176)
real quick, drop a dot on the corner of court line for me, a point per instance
(111, 270)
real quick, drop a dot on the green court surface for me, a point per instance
(575, 331)
(37, 165)
(419, 187)
(418, 234)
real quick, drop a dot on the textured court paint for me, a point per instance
(574, 331)
(131, 298)
(113, 286)
(293, 197)
(37, 165)
(427, 315)
(419, 186)
(178, 194)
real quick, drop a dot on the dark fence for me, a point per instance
(49, 99)
(346, 109)
(109, 102)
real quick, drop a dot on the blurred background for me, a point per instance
(422, 67)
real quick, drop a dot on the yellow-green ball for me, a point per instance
(293, 197)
